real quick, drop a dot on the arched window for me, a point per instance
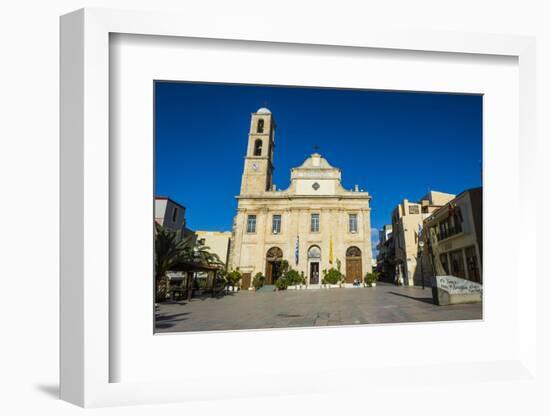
(274, 254)
(258, 147)
(314, 252)
(353, 252)
(260, 125)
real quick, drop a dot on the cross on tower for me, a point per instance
(316, 148)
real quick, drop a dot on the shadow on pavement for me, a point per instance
(166, 321)
(425, 300)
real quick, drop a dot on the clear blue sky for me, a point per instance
(394, 145)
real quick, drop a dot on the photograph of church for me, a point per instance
(298, 207)
(311, 224)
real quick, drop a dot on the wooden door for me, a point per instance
(245, 282)
(353, 269)
(353, 265)
(268, 273)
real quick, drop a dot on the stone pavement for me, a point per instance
(310, 308)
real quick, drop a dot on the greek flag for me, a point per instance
(419, 233)
(297, 249)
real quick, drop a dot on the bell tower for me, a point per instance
(258, 162)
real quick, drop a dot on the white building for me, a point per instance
(171, 216)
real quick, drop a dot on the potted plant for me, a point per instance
(233, 279)
(332, 277)
(371, 278)
(292, 278)
(343, 280)
(281, 283)
(258, 281)
(302, 280)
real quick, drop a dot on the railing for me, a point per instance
(449, 232)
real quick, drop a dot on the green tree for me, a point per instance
(233, 277)
(172, 253)
(258, 280)
(293, 277)
(332, 276)
(200, 254)
(169, 254)
(371, 278)
(281, 283)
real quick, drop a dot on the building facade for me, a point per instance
(171, 216)
(218, 241)
(455, 236)
(314, 224)
(407, 221)
(385, 264)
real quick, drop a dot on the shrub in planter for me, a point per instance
(281, 270)
(233, 277)
(281, 283)
(258, 281)
(371, 278)
(343, 280)
(332, 276)
(292, 277)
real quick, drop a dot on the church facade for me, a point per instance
(314, 224)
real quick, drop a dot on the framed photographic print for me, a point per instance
(250, 214)
(269, 261)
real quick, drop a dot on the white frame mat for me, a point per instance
(86, 167)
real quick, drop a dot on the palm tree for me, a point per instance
(174, 254)
(201, 256)
(169, 253)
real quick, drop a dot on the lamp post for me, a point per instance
(421, 245)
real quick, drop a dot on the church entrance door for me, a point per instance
(353, 265)
(314, 259)
(273, 272)
(274, 257)
(314, 273)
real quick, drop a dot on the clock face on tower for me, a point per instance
(255, 166)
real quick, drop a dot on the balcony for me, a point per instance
(449, 232)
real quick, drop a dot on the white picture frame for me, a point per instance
(86, 355)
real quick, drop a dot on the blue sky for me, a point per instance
(393, 145)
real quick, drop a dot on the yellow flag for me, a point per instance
(330, 256)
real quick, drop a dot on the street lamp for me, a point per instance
(421, 245)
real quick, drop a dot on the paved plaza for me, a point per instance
(309, 308)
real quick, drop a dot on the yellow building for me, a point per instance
(218, 241)
(314, 224)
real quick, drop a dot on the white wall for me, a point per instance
(29, 171)
(326, 186)
(160, 210)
